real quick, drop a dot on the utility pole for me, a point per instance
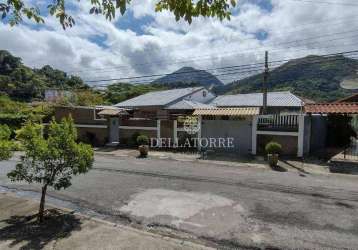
(264, 87)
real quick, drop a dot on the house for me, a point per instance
(175, 115)
(251, 130)
(156, 114)
(56, 95)
(91, 126)
(334, 122)
(277, 102)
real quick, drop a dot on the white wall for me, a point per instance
(199, 96)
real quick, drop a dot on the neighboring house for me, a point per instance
(276, 101)
(253, 131)
(332, 123)
(349, 99)
(56, 95)
(91, 127)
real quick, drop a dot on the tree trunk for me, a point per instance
(42, 204)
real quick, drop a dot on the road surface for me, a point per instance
(218, 205)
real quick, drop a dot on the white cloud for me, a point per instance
(206, 43)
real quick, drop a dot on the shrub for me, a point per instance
(5, 132)
(273, 147)
(5, 150)
(142, 140)
(133, 139)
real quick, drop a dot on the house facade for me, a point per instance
(166, 116)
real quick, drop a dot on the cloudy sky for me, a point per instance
(143, 42)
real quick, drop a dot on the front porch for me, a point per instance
(284, 128)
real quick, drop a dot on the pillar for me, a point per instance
(199, 132)
(254, 135)
(158, 133)
(175, 131)
(301, 134)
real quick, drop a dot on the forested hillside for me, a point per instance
(189, 75)
(314, 77)
(25, 84)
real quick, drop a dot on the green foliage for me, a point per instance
(5, 150)
(189, 77)
(5, 132)
(119, 92)
(52, 161)
(14, 121)
(273, 148)
(89, 98)
(25, 84)
(13, 107)
(142, 140)
(134, 137)
(5, 145)
(186, 9)
(314, 77)
(15, 114)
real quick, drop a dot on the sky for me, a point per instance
(144, 42)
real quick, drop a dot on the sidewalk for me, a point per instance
(185, 156)
(306, 167)
(65, 230)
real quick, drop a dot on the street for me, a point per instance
(217, 205)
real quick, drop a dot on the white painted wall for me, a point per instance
(199, 96)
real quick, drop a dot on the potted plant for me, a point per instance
(143, 142)
(273, 150)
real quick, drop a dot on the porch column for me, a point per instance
(158, 133)
(300, 138)
(175, 131)
(199, 131)
(254, 135)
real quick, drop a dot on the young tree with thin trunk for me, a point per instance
(53, 161)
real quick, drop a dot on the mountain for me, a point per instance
(24, 84)
(187, 75)
(313, 77)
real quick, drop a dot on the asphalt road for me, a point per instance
(229, 206)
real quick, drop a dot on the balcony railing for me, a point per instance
(278, 122)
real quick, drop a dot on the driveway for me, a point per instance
(221, 206)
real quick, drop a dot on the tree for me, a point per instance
(52, 161)
(88, 98)
(5, 144)
(186, 9)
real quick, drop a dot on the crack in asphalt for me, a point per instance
(310, 191)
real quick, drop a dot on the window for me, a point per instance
(204, 93)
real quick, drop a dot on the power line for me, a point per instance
(249, 72)
(233, 67)
(154, 50)
(191, 71)
(274, 50)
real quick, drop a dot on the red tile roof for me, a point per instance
(332, 108)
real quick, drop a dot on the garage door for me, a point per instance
(240, 130)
